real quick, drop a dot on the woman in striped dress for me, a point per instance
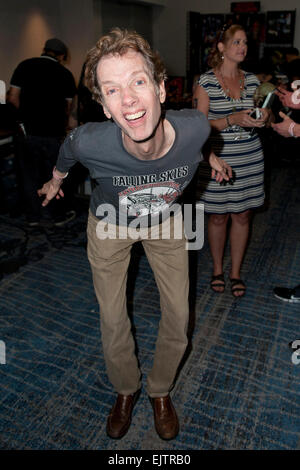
(225, 95)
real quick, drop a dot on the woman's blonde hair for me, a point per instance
(224, 35)
(118, 42)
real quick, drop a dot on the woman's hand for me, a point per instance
(50, 190)
(243, 119)
(266, 114)
(220, 169)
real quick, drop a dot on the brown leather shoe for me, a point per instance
(165, 417)
(119, 418)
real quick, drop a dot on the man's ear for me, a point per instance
(105, 110)
(162, 92)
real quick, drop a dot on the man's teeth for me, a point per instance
(131, 117)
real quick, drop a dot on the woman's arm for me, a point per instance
(201, 102)
(241, 118)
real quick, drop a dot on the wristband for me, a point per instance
(291, 129)
(56, 177)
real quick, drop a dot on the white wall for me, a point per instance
(77, 27)
(170, 26)
(25, 25)
(24, 28)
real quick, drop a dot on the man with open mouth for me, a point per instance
(138, 156)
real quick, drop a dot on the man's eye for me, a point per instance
(111, 91)
(140, 82)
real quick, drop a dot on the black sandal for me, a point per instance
(218, 277)
(235, 282)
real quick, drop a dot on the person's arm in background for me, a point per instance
(13, 96)
(70, 93)
(16, 84)
(287, 128)
(71, 110)
(289, 98)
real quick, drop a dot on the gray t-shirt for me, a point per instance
(136, 188)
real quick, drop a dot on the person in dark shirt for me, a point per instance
(42, 90)
(88, 110)
(292, 66)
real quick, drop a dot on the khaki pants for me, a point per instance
(109, 260)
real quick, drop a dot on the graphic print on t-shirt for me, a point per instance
(148, 199)
(150, 194)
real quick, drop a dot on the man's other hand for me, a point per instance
(50, 190)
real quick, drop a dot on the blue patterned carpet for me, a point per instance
(238, 388)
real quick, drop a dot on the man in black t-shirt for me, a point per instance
(292, 64)
(42, 90)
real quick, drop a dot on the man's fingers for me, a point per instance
(45, 201)
(284, 116)
(223, 173)
(60, 194)
(229, 170)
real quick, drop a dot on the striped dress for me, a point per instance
(239, 147)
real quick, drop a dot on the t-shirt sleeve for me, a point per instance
(197, 129)
(204, 126)
(67, 156)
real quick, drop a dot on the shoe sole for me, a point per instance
(290, 301)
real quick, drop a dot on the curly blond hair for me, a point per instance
(215, 60)
(117, 42)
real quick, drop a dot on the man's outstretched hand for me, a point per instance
(220, 169)
(50, 190)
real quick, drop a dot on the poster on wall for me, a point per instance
(280, 27)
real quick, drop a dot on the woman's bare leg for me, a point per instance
(239, 233)
(217, 225)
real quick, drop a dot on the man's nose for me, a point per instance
(128, 97)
